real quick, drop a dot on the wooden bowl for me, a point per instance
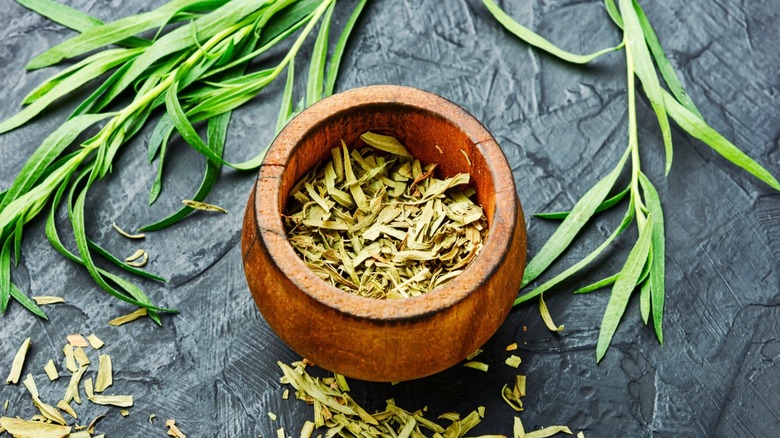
(374, 339)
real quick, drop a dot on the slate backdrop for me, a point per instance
(213, 367)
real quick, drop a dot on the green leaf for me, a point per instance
(5, 274)
(644, 69)
(698, 128)
(338, 51)
(285, 109)
(658, 266)
(318, 56)
(621, 290)
(79, 231)
(606, 205)
(66, 86)
(230, 17)
(157, 184)
(25, 301)
(661, 61)
(18, 241)
(217, 133)
(537, 41)
(549, 284)
(644, 298)
(568, 229)
(99, 36)
(598, 284)
(73, 19)
(54, 239)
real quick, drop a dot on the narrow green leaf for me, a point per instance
(154, 192)
(73, 19)
(613, 12)
(644, 69)
(549, 284)
(5, 274)
(54, 239)
(288, 18)
(621, 290)
(99, 36)
(644, 299)
(568, 229)
(66, 86)
(217, 133)
(537, 41)
(285, 109)
(25, 301)
(606, 205)
(598, 284)
(698, 128)
(79, 231)
(664, 66)
(18, 240)
(658, 266)
(338, 51)
(227, 19)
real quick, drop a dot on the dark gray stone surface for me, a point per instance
(213, 367)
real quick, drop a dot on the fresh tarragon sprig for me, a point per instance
(196, 71)
(644, 267)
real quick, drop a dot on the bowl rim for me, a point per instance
(271, 233)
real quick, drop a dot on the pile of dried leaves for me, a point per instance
(378, 223)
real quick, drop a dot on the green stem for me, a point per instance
(633, 142)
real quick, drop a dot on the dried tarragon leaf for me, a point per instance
(512, 396)
(548, 432)
(25, 428)
(70, 360)
(48, 411)
(513, 361)
(126, 234)
(77, 340)
(43, 300)
(474, 354)
(18, 363)
(203, 206)
(67, 409)
(378, 223)
(546, 317)
(121, 401)
(130, 317)
(88, 389)
(476, 365)
(174, 431)
(512, 346)
(95, 342)
(72, 392)
(51, 370)
(105, 376)
(133, 259)
(81, 357)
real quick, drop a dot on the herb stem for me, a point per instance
(633, 142)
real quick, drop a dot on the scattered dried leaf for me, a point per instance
(44, 300)
(105, 377)
(126, 234)
(70, 361)
(95, 342)
(51, 370)
(203, 206)
(130, 317)
(121, 401)
(67, 409)
(476, 365)
(81, 357)
(546, 317)
(173, 430)
(24, 428)
(77, 340)
(18, 363)
(512, 346)
(513, 361)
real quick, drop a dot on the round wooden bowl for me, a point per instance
(373, 339)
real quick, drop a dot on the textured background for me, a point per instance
(213, 367)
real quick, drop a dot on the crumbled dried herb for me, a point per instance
(25, 428)
(476, 365)
(77, 341)
(546, 317)
(81, 357)
(18, 363)
(67, 409)
(51, 370)
(72, 392)
(126, 234)
(196, 205)
(95, 342)
(50, 412)
(105, 377)
(376, 222)
(513, 361)
(43, 300)
(121, 401)
(172, 429)
(70, 360)
(130, 317)
(512, 346)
